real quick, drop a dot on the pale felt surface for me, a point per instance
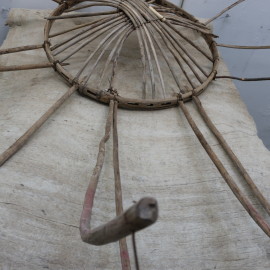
(201, 224)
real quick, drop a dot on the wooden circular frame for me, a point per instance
(124, 102)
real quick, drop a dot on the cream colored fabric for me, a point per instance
(201, 224)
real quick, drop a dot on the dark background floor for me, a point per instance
(246, 24)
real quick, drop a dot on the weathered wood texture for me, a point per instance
(139, 216)
(201, 225)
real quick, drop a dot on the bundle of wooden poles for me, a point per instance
(157, 25)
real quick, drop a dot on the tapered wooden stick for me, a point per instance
(144, 9)
(189, 41)
(145, 33)
(118, 31)
(243, 79)
(144, 44)
(173, 40)
(224, 10)
(180, 23)
(15, 147)
(164, 54)
(20, 49)
(243, 47)
(77, 27)
(93, 28)
(72, 29)
(27, 67)
(231, 154)
(171, 15)
(144, 64)
(114, 54)
(115, 60)
(138, 21)
(235, 189)
(86, 6)
(101, 54)
(81, 15)
(118, 190)
(156, 60)
(100, 30)
(177, 54)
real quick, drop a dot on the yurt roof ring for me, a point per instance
(156, 31)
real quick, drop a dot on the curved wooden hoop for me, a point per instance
(124, 102)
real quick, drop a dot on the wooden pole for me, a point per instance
(15, 147)
(97, 24)
(85, 6)
(93, 66)
(139, 216)
(76, 27)
(117, 31)
(189, 41)
(99, 31)
(124, 254)
(235, 189)
(231, 154)
(243, 79)
(81, 15)
(27, 67)
(115, 52)
(243, 47)
(20, 49)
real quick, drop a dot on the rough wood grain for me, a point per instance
(139, 216)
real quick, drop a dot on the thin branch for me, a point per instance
(143, 39)
(224, 10)
(115, 53)
(15, 147)
(20, 49)
(101, 54)
(79, 26)
(27, 67)
(168, 37)
(85, 6)
(231, 154)
(93, 28)
(144, 58)
(81, 15)
(189, 41)
(226, 176)
(138, 21)
(244, 47)
(243, 79)
(164, 54)
(156, 60)
(118, 31)
(118, 190)
(104, 28)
